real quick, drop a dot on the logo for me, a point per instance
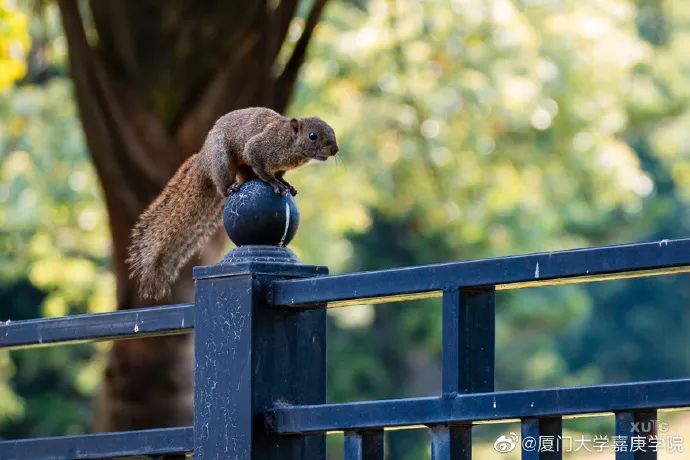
(649, 427)
(505, 444)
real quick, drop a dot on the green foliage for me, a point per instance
(502, 119)
(469, 128)
(52, 212)
(54, 249)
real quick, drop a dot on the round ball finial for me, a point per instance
(256, 215)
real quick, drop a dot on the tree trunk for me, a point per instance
(149, 82)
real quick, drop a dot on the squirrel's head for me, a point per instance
(314, 138)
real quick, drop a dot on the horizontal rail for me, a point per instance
(101, 326)
(531, 270)
(479, 407)
(101, 445)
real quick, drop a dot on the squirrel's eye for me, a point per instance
(312, 136)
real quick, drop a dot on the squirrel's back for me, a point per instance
(238, 126)
(229, 135)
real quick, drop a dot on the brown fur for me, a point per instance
(242, 145)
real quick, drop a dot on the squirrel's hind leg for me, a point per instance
(230, 183)
(223, 170)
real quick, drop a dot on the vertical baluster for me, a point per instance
(451, 442)
(468, 341)
(468, 361)
(364, 445)
(634, 431)
(543, 437)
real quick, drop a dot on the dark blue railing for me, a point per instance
(260, 350)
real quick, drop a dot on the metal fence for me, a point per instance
(260, 350)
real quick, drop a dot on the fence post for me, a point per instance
(250, 356)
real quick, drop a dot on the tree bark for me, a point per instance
(150, 78)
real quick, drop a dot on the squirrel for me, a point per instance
(244, 144)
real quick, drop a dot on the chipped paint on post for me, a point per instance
(222, 399)
(248, 357)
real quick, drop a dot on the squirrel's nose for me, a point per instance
(334, 149)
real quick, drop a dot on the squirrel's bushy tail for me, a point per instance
(172, 229)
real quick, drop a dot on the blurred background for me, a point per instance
(467, 128)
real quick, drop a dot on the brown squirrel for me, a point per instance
(249, 143)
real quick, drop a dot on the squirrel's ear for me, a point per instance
(295, 125)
